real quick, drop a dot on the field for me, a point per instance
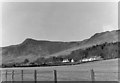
(106, 70)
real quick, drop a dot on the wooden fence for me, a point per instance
(92, 76)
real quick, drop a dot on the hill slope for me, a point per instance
(32, 49)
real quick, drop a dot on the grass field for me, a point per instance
(106, 70)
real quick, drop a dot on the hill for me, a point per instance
(32, 49)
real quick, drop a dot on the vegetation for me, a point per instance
(105, 51)
(26, 61)
(43, 48)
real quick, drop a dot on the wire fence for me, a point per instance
(57, 75)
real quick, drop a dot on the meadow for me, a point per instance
(106, 70)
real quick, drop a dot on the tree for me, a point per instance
(54, 59)
(26, 61)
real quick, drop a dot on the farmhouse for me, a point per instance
(65, 61)
(85, 60)
(91, 59)
(68, 60)
(72, 60)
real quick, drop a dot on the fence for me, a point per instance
(55, 75)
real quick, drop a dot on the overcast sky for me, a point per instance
(63, 21)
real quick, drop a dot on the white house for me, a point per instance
(72, 60)
(91, 59)
(85, 60)
(65, 61)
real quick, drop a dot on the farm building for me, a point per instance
(65, 61)
(91, 59)
(68, 60)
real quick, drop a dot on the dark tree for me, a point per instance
(26, 61)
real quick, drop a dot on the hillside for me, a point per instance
(96, 39)
(32, 49)
(105, 51)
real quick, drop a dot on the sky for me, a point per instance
(56, 21)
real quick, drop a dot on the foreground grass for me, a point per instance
(106, 70)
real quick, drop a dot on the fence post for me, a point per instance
(6, 76)
(55, 76)
(22, 76)
(92, 75)
(35, 76)
(12, 76)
